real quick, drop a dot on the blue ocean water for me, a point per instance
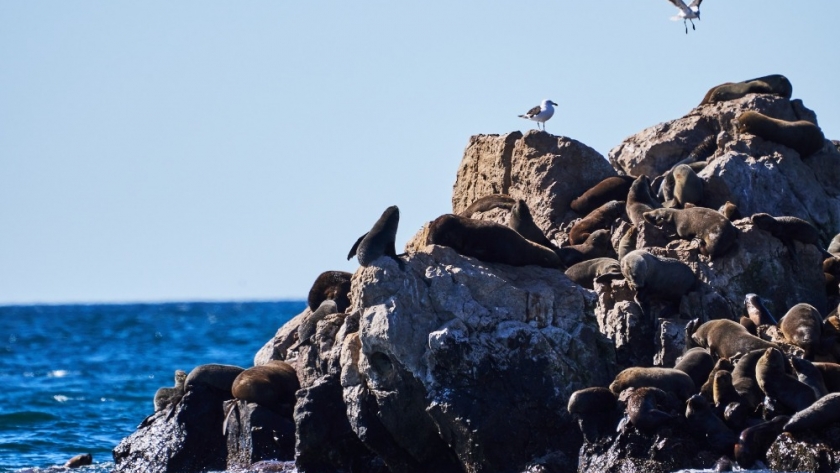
(79, 378)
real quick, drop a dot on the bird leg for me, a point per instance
(686, 27)
(692, 25)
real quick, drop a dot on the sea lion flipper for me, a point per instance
(356, 246)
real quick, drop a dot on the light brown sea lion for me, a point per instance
(586, 272)
(776, 384)
(754, 441)
(707, 389)
(717, 234)
(703, 420)
(489, 242)
(730, 211)
(627, 242)
(611, 188)
(726, 338)
(488, 202)
(272, 385)
(333, 285)
(597, 245)
(748, 324)
(639, 200)
(380, 240)
(601, 218)
(82, 459)
(697, 363)
(801, 327)
(802, 136)
(167, 396)
(819, 414)
(522, 221)
(834, 246)
(667, 379)
(657, 276)
(595, 410)
(723, 393)
(218, 377)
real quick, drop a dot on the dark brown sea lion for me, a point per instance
(802, 136)
(702, 151)
(667, 379)
(639, 200)
(730, 211)
(333, 285)
(776, 384)
(688, 187)
(489, 202)
(585, 272)
(723, 393)
(380, 240)
(272, 385)
(830, 374)
(597, 245)
(627, 242)
(216, 376)
(611, 188)
(601, 218)
(819, 414)
(489, 242)
(756, 310)
(595, 410)
(787, 229)
(657, 276)
(703, 420)
(646, 408)
(522, 221)
(748, 324)
(167, 396)
(309, 324)
(726, 338)
(743, 378)
(775, 84)
(82, 459)
(707, 389)
(697, 363)
(801, 326)
(808, 374)
(716, 233)
(754, 441)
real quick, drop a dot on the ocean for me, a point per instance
(79, 378)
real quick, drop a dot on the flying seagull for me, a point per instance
(687, 12)
(541, 113)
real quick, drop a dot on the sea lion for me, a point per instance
(586, 272)
(801, 327)
(776, 384)
(646, 408)
(82, 459)
(801, 136)
(601, 218)
(743, 378)
(216, 376)
(830, 375)
(703, 420)
(716, 233)
(611, 188)
(748, 324)
(697, 363)
(489, 202)
(272, 385)
(730, 211)
(756, 310)
(707, 389)
(834, 246)
(688, 187)
(167, 396)
(657, 276)
(727, 338)
(667, 379)
(522, 221)
(380, 240)
(723, 393)
(754, 441)
(808, 374)
(787, 229)
(627, 242)
(819, 414)
(639, 200)
(702, 151)
(309, 324)
(333, 285)
(775, 84)
(595, 410)
(489, 242)
(597, 245)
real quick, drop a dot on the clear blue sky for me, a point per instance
(205, 150)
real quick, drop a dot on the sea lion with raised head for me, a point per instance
(707, 389)
(380, 240)
(488, 202)
(627, 242)
(272, 385)
(727, 338)
(688, 187)
(780, 386)
(333, 285)
(489, 241)
(757, 312)
(639, 200)
(697, 363)
(808, 374)
(167, 396)
(82, 459)
(611, 188)
(801, 326)
(601, 269)
(801, 136)
(667, 379)
(743, 378)
(716, 234)
(601, 218)
(657, 276)
(730, 211)
(522, 221)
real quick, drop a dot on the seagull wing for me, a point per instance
(531, 112)
(681, 5)
(695, 5)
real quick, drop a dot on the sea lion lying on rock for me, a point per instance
(611, 188)
(775, 84)
(657, 276)
(489, 202)
(595, 410)
(802, 136)
(716, 233)
(801, 326)
(667, 379)
(333, 285)
(586, 272)
(272, 385)
(601, 218)
(726, 338)
(597, 245)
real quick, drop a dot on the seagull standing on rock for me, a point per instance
(687, 12)
(541, 113)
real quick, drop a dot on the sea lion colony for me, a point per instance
(738, 405)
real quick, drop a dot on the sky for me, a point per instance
(204, 150)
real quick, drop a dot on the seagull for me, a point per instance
(541, 113)
(687, 12)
